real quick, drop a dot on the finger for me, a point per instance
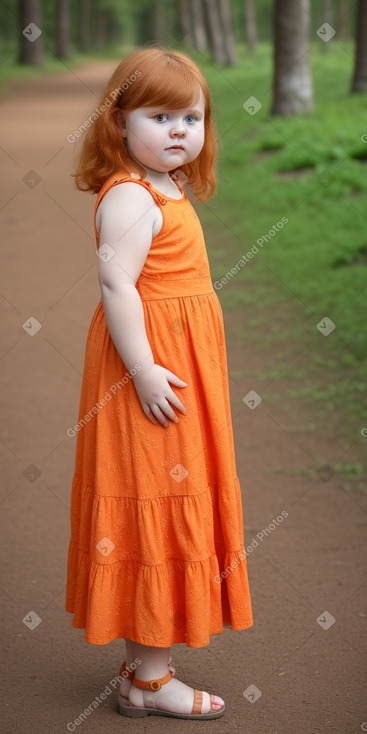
(159, 415)
(167, 410)
(149, 413)
(177, 402)
(171, 377)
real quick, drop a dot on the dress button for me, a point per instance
(135, 175)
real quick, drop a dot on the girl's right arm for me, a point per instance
(125, 219)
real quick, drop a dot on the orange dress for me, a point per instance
(157, 553)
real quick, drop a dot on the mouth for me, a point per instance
(175, 147)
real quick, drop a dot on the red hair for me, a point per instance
(147, 77)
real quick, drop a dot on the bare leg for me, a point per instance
(154, 660)
(173, 696)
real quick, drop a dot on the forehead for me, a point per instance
(196, 104)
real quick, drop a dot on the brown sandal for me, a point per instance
(155, 685)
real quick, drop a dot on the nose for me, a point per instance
(178, 129)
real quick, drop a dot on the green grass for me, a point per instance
(311, 169)
(321, 253)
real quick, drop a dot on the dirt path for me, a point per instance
(300, 668)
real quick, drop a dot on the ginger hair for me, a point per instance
(167, 78)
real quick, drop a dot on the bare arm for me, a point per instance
(125, 219)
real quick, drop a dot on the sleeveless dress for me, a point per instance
(156, 552)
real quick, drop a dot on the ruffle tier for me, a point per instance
(154, 570)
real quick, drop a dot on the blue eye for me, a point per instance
(163, 114)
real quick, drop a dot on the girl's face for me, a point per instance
(151, 132)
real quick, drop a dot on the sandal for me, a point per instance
(201, 707)
(129, 676)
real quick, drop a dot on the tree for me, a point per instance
(84, 25)
(250, 25)
(159, 22)
(184, 22)
(292, 81)
(228, 35)
(342, 21)
(62, 35)
(326, 18)
(359, 83)
(198, 23)
(30, 31)
(216, 35)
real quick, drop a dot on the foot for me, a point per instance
(173, 696)
(126, 684)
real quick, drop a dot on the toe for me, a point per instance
(216, 702)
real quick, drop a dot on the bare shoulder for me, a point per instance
(127, 199)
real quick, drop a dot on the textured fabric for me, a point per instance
(156, 513)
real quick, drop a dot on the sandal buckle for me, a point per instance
(155, 684)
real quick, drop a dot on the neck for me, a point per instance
(156, 178)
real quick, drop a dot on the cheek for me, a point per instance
(152, 137)
(199, 137)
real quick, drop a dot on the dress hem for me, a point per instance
(164, 643)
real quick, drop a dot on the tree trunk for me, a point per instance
(199, 26)
(342, 29)
(62, 40)
(250, 25)
(184, 26)
(326, 18)
(216, 35)
(228, 34)
(101, 28)
(292, 81)
(359, 83)
(31, 38)
(159, 25)
(84, 27)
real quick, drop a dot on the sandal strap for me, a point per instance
(129, 674)
(198, 702)
(153, 685)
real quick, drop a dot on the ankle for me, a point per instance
(151, 670)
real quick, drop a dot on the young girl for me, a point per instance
(156, 554)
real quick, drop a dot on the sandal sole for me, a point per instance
(138, 712)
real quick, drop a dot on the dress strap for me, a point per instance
(119, 177)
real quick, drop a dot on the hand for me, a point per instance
(154, 392)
